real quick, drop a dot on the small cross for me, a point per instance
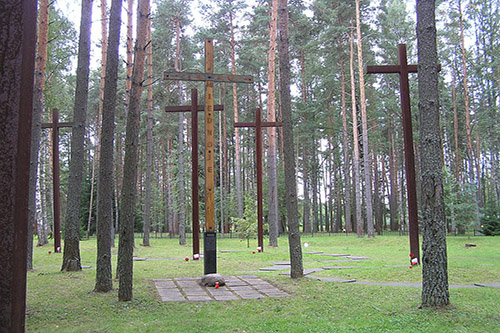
(55, 125)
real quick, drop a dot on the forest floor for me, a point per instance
(324, 302)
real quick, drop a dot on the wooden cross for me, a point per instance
(194, 108)
(403, 69)
(258, 124)
(55, 125)
(209, 78)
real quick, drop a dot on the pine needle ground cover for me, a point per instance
(65, 302)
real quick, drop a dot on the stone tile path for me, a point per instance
(236, 288)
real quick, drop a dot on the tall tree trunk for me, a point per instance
(180, 139)
(364, 126)
(455, 128)
(314, 187)
(149, 137)
(239, 189)
(36, 125)
(71, 256)
(434, 273)
(42, 223)
(271, 131)
(129, 188)
(105, 183)
(468, 127)
(355, 143)
(95, 160)
(296, 270)
(346, 148)
(306, 205)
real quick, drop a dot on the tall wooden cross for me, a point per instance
(194, 108)
(210, 245)
(403, 69)
(55, 125)
(258, 124)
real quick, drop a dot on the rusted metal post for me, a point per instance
(194, 174)
(258, 124)
(403, 69)
(56, 184)
(258, 160)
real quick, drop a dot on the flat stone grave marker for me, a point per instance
(236, 288)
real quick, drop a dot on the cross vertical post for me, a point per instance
(403, 69)
(258, 124)
(210, 236)
(55, 125)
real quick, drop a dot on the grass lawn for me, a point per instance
(65, 302)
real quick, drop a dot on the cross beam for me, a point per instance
(210, 247)
(194, 108)
(403, 69)
(258, 124)
(55, 125)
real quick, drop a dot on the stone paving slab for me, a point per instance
(306, 271)
(273, 268)
(357, 258)
(396, 265)
(236, 288)
(334, 255)
(336, 260)
(313, 252)
(279, 263)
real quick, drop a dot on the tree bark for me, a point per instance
(355, 142)
(180, 139)
(149, 137)
(105, 183)
(71, 255)
(17, 54)
(95, 160)
(364, 127)
(434, 273)
(38, 108)
(296, 270)
(237, 174)
(346, 148)
(271, 131)
(129, 188)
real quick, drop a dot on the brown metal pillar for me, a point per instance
(409, 153)
(194, 174)
(56, 181)
(258, 160)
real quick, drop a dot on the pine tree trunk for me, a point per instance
(296, 270)
(149, 138)
(36, 125)
(105, 183)
(346, 148)
(364, 127)
(306, 204)
(271, 131)
(355, 143)
(468, 127)
(129, 188)
(95, 160)
(71, 255)
(239, 189)
(180, 140)
(434, 259)
(393, 176)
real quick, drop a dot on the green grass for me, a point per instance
(65, 302)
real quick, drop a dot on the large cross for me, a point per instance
(404, 90)
(55, 125)
(194, 108)
(258, 124)
(210, 247)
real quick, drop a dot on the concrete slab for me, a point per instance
(334, 255)
(491, 285)
(306, 271)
